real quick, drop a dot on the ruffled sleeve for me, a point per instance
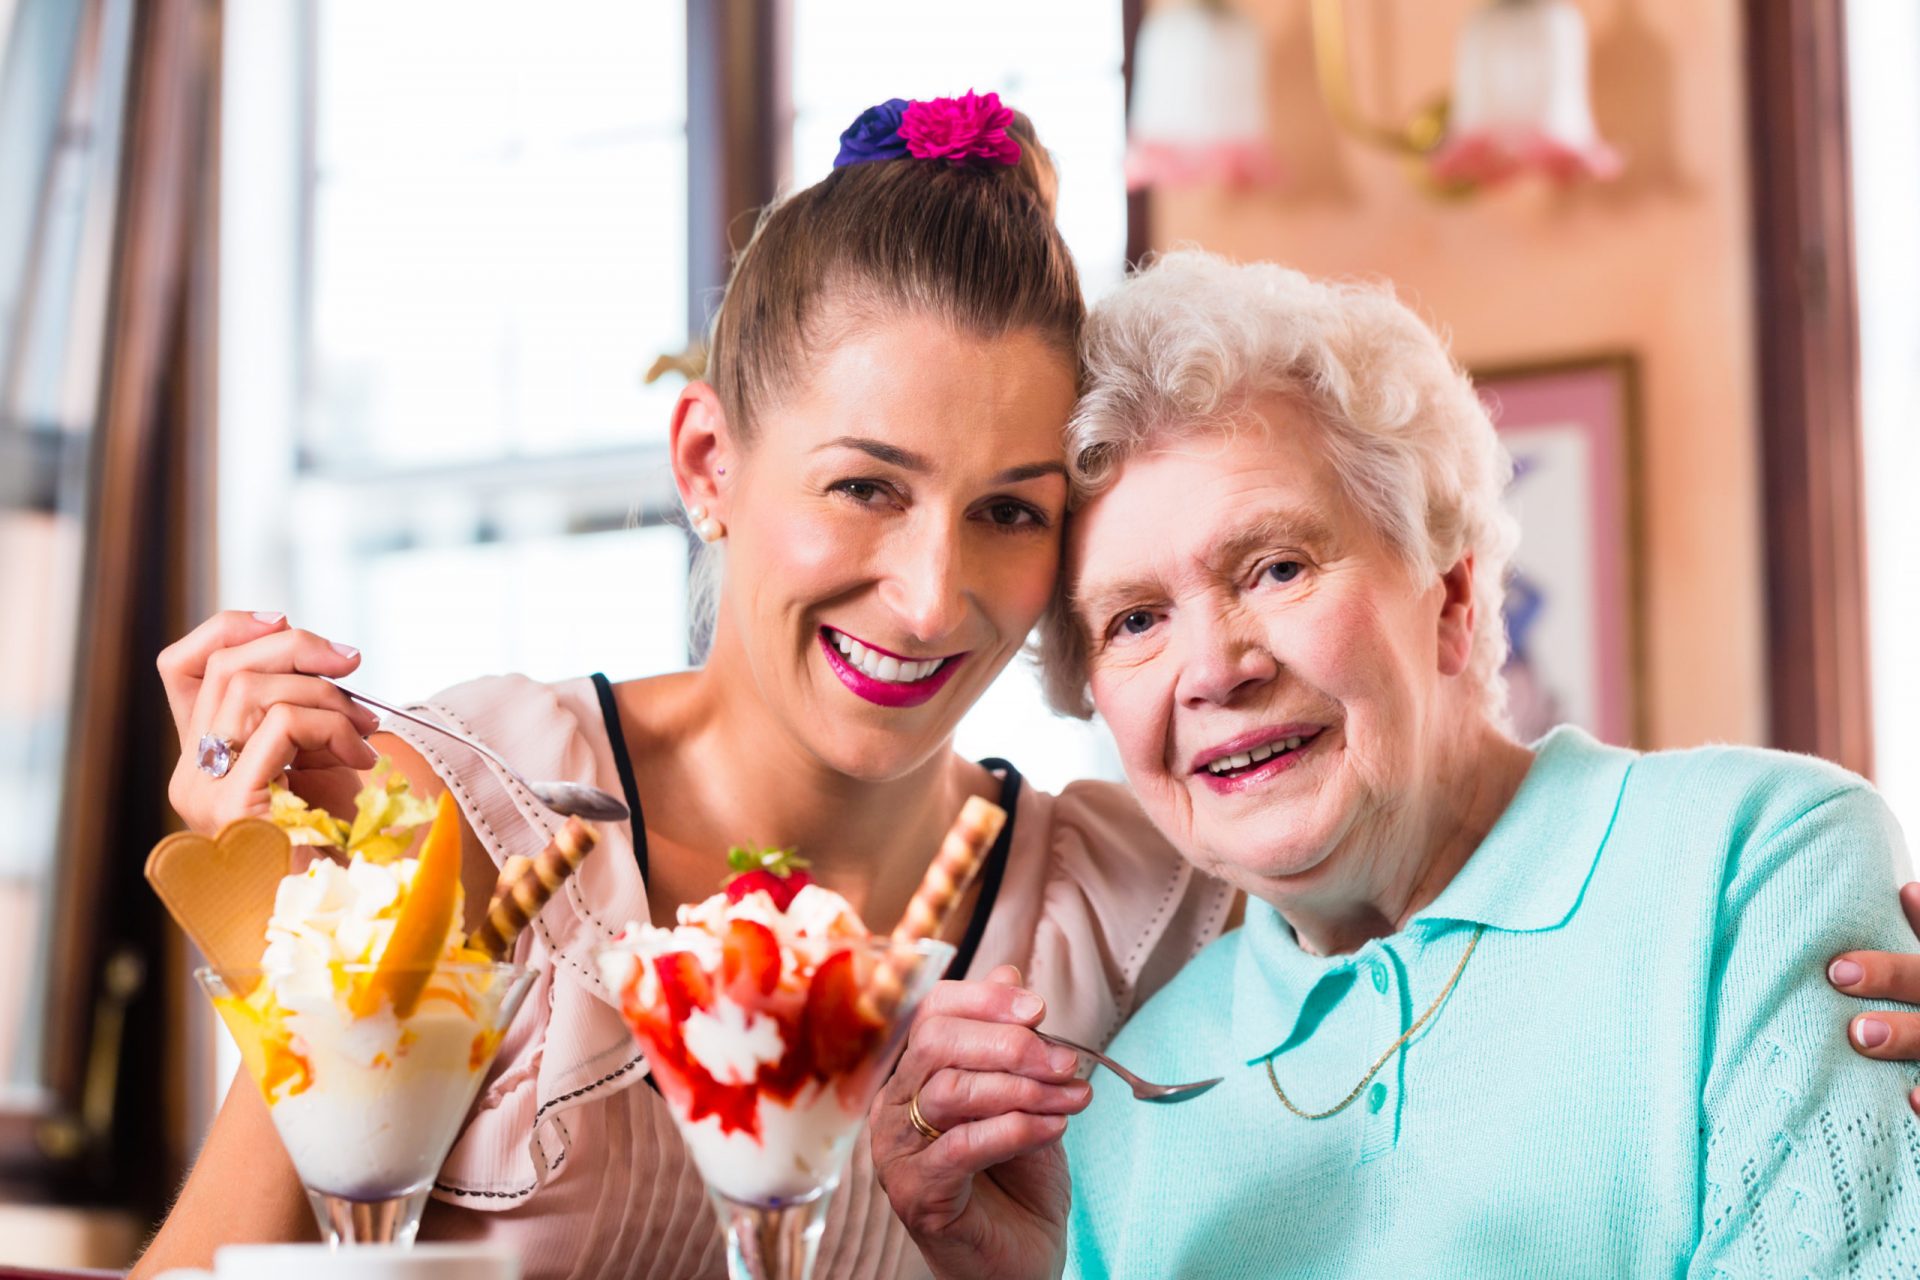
(1097, 910)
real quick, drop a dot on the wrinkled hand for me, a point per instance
(255, 681)
(1885, 975)
(990, 1197)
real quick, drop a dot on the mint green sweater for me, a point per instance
(1642, 1070)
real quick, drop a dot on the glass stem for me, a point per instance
(348, 1222)
(772, 1241)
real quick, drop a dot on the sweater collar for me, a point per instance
(1529, 875)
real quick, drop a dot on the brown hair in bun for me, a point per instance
(975, 245)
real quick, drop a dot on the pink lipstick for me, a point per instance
(1254, 773)
(888, 693)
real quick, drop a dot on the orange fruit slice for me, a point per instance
(420, 930)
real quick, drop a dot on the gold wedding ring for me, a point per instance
(919, 1121)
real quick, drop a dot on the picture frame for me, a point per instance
(1572, 606)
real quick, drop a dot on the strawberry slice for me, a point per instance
(750, 962)
(684, 983)
(838, 1036)
(737, 1106)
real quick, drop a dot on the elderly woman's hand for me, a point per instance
(989, 1196)
(1885, 975)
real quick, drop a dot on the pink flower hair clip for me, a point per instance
(971, 129)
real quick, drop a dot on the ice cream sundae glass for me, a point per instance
(367, 1103)
(770, 1017)
(364, 1014)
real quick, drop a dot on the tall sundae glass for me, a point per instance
(368, 1101)
(770, 1017)
(365, 1014)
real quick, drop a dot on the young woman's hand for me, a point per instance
(1885, 975)
(251, 679)
(989, 1196)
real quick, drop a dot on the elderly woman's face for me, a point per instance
(1267, 663)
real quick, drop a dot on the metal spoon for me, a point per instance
(569, 799)
(1144, 1090)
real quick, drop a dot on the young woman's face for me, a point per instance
(893, 533)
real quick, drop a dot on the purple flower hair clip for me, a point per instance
(967, 130)
(875, 135)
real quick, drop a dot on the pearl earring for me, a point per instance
(704, 525)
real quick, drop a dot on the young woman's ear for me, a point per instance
(701, 446)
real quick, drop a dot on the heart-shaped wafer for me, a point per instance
(221, 891)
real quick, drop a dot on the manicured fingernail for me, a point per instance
(1027, 1006)
(1871, 1033)
(269, 618)
(1058, 1124)
(1063, 1060)
(345, 650)
(1844, 973)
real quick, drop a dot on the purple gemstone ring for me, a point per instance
(216, 755)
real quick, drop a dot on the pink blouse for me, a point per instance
(572, 1160)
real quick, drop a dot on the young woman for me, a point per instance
(878, 449)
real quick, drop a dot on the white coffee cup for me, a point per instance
(356, 1262)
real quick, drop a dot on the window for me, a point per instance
(482, 238)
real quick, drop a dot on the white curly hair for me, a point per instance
(1183, 347)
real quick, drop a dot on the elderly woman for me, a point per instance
(1497, 1008)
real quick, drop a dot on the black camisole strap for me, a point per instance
(610, 711)
(991, 873)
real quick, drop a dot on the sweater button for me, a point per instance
(1376, 1097)
(1378, 972)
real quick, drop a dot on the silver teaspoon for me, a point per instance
(1145, 1090)
(569, 799)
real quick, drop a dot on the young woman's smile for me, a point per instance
(884, 678)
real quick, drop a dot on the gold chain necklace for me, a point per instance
(1392, 1049)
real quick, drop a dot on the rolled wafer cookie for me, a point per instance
(526, 884)
(510, 871)
(952, 870)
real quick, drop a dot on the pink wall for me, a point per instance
(1656, 264)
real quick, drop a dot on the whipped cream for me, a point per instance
(331, 915)
(732, 1043)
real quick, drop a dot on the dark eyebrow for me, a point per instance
(1031, 471)
(891, 454)
(907, 460)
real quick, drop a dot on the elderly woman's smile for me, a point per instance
(1275, 674)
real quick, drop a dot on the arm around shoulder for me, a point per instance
(1812, 1158)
